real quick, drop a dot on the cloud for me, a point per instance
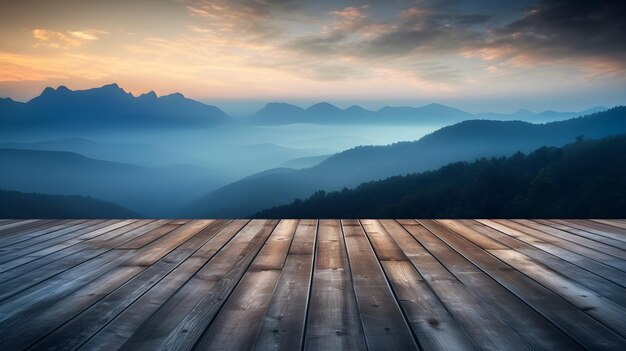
(65, 39)
(583, 35)
(570, 27)
(413, 30)
(571, 32)
(418, 46)
(241, 19)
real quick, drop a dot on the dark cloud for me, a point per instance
(431, 35)
(413, 29)
(550, 29)
(562, 28)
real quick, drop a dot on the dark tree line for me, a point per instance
(585, 179)
(15, 204)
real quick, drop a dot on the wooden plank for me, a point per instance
(180, 322)
(155, 250)
(36, 322)
(38, 296)
(30, 233)
(237, 324)
(593, 254)
(333, 320)
(604, 287)
(465, 229)
(603, 229)
(488, 312)
(272, 256)
(614, 223)
(587, 232)
(43, 242)
(180, 221)
(285, 318)
(22, 225)
(610, 314)
(52, 230)
(150, 236)
(124, 325)
(84, 251)
(384, 325)
(578, 325)
(43, 250)
(593, 244)
(46, 256)
(75, 332)
(609, 273)
(434, 327)
(24, 229)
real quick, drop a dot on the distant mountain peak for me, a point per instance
(435, 104)
(48, 91)
(278, 104)
(438, 106)
(356, 108)
(149, 95)
(280, 107)
(110, 89)
(177, 96)
(594, 109)
(324, 106)
(112, 85)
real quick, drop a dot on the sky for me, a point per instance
(478, 55)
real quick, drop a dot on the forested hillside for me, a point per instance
(586, 179)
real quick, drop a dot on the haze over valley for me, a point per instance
(170, 156)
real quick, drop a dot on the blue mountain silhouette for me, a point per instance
(107, 106)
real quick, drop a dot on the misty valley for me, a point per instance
(103, 152)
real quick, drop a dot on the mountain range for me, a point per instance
(107, 107)
(325, 113)
(110, 106)
(541, 117)
(463, 141)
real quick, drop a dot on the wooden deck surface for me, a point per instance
(314, 285)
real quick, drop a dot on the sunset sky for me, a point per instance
(478, 55)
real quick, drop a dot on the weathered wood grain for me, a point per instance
(333, 321)
(312, 284)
